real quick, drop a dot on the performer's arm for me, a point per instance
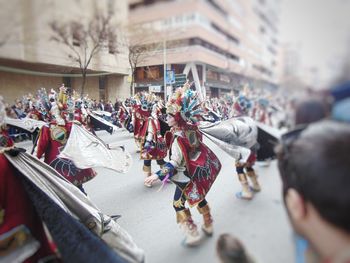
(169, 169)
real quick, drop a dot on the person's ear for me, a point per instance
(295, 205)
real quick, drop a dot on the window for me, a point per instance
(229, 36)
(153, 72)
(67, 81)
(217, 7)
(102, 81)
(139, 74)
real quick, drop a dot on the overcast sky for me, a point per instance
(321, 31)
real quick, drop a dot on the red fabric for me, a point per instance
(160, 149)
(251, 159)
(122, 115)
(203, 170)
(35, 114)
(6, 139)
(138, 122)
(19, 210)
(237, 107)
(169, 138)
(78, 116)
(48, 146)
(143, 129)
(51, 148)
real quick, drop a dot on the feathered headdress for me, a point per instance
(42, 102)
(243, 104)
(185, 106)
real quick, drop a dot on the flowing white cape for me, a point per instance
(27, 124)
(78, 205)
(88, 151)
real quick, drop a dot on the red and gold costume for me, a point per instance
(190, 156)
(141, 117)
(51, 139)
(151, 134)
(193, 167)
(152, 143)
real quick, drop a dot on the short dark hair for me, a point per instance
(231, 250)
(310, 110)
(317, 165)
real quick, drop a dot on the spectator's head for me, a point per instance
(310, 110)
(231, 250)
(314, 164)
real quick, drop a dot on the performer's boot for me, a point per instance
(184, 219)
(207, 227)
(246, 193)
(253, 178)
(148, 172)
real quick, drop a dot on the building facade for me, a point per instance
(218, 44)
(31, 59)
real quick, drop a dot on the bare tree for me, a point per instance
(136, 56)
(85, 40)
(140, 48)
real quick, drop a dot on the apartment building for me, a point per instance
(219, 44)
(30, 59)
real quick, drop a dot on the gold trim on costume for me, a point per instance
(59, 133)
(147, 169)
(242, 178)
(204, 210)
(251, 173)
(183, 215)
(178, 203)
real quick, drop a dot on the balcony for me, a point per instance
(194, 53)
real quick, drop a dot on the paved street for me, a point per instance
(149, 217)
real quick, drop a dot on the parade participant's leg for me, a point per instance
(184, 219)
(204, 209)
(246, 192)
(147, 170)
(253, 178)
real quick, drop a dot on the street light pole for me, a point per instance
(164, 65)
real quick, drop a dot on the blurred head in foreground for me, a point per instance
(314, 164)
(230, 250)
